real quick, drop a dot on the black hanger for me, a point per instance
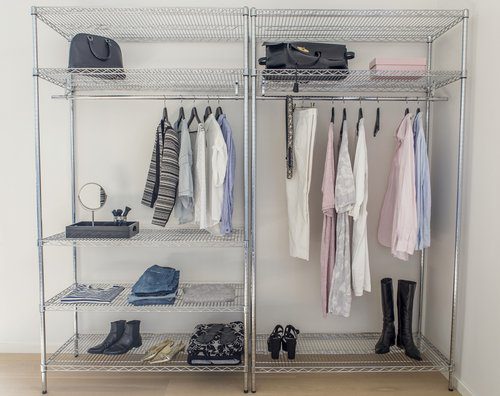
(208, 111)
(344, 117)
(181, 116)
(407, 111)
(332, 118)
(194, 114)
(418, 110)
(377, 123)
(360, 116)
(218, 112)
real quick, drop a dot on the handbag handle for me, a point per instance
(90, 39)
(290, 46)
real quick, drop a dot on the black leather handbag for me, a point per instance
(88, 51)
(305, 55)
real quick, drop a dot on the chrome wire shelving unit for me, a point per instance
(142, 25)
(164, 238)
(121, 304)
(64, 358)
(354, 352)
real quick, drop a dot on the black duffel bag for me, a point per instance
(88, 51)
(305, 55)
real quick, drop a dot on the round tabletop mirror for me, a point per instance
(92, 196)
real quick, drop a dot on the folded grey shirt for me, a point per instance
(208, 293)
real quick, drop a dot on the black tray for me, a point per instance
(102, 229)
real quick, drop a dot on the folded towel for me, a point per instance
(208, 293)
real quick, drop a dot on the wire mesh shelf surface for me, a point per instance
(120, 303)
(354, 25)
(64, 358)
(354, 352)
(329, 80)
(175, 80)
(147, 24)
(174, 237)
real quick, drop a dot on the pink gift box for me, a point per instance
(410, 64)
(399, 64)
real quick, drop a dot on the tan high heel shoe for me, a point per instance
(168, 353)
(152, 352)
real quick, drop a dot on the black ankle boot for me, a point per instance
(131, 338)
(116, 332)
(406, 292)
(388, 336)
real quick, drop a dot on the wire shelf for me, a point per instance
(64, 358)
(147, 24)
(176, 80)
(354, 25)
(173, 237)
(120, 303)
(321, 352)
(329, 80)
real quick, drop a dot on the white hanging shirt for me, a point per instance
(200, 177)
(216, 156)
(360, 266)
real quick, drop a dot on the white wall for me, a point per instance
(114, 143)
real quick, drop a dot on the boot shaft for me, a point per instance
(117, 327)
(387, 300)
(406, 294)
(132, 329)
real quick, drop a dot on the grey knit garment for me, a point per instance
(208, 293)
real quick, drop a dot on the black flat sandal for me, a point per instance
(274, 342)
(289, 340)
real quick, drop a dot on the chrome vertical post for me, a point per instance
(253, 189)
(38, 195)
(458, 209)
(246, 309)
(423, 254)
(73, 212)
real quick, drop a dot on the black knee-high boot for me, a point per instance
(406, 293)
(388, 336)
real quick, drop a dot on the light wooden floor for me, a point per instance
(19, 376)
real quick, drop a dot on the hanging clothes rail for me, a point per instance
(271, 97)
(148, 97)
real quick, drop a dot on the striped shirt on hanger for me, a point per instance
(163, 176)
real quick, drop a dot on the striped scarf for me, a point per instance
(163, 175)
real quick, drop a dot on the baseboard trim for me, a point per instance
(461, 387)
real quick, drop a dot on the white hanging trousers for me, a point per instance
(297, 188)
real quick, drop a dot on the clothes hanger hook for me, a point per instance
(343, 100)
